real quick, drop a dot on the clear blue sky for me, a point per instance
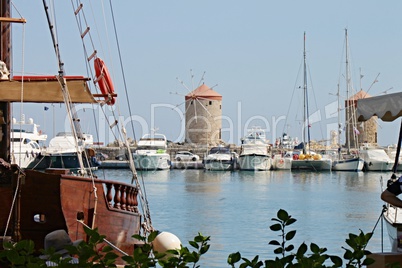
(251, 49)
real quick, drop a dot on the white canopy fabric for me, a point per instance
(386, 107)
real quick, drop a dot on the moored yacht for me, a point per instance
(26, 142)
(375, 159)
(151, 153)
(63, 151)
(254, 154)
(220, 158)
(391, 152)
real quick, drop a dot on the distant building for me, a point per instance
(203, 116)
(365, 132)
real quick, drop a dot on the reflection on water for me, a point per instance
(235, 208)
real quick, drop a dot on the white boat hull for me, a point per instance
(152, 161)
(218, 165)
(377, 165)
(255, 162)
(310, 164)
(24, 159)
(354, 164)
(393, 222)
(282, 163)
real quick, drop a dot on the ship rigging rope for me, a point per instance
(143, 195)
(20, 173)
(69, 106)
(81, 20)
(84, 29)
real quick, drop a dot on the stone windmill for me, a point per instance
(203, 116)
(367, 131)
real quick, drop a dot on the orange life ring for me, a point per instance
(104, 81)
(281, 163)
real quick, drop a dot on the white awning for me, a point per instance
(386, 107)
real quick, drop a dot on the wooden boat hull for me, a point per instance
(51, 201)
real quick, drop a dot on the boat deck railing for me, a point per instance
(121, 196)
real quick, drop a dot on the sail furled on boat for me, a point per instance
(386, 107)
(45, 89)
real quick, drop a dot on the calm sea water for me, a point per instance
(236, 208)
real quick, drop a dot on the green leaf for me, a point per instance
(301, 250)
(233, 258)
(290, 221)
(152, 236)
(289, 248)
(194, 244)
(368, 261)
(314, 248)
(276, 227)
(274, 242)
(290, 235)
(283, 215)
(337, 261)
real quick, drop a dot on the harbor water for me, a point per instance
(235, 208)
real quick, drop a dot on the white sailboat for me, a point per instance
(308, 160)
(347, 161)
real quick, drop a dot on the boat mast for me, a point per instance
(339, 124)
(305, 108)
(348, 108)
(5, 54)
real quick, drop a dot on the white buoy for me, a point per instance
(166, 241)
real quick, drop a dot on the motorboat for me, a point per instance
(63, 152)
(375, 158)
(220, 158)
(254, 152)
(151, 153)
(391, 152)
(26, 142)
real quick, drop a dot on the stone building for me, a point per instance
(203, 116)
(366, 132)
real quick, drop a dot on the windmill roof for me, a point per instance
(205, 92)
(360, 95)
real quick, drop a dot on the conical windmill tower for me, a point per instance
(203, 116)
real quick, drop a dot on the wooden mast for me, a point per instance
(5, 56)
